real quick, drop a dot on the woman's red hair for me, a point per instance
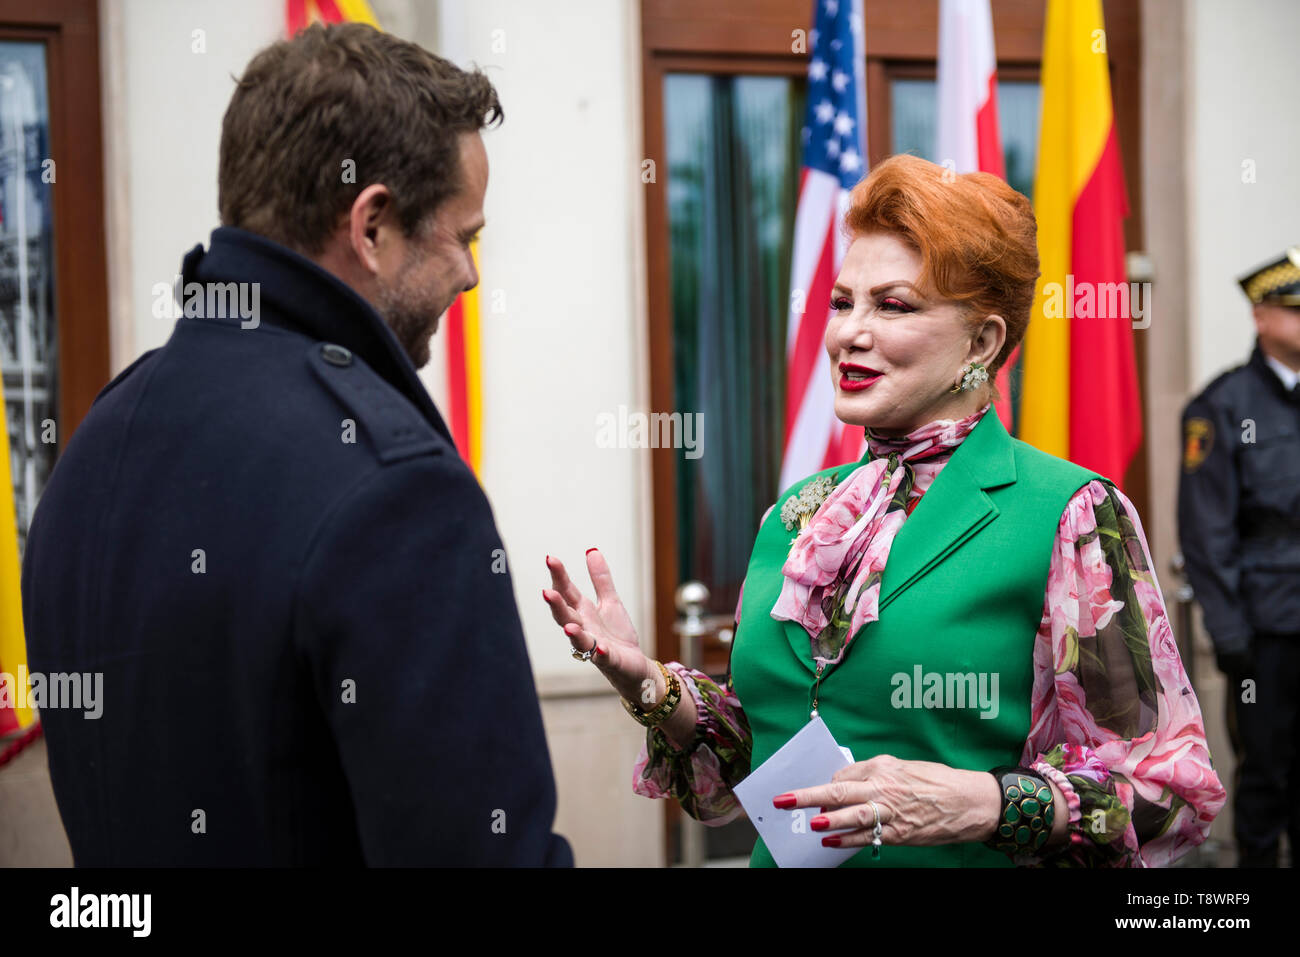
(976, 236)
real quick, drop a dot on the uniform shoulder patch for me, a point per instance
(1198, 439)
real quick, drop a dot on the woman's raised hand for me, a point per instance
(604, 624)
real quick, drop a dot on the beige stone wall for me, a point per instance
(593, 747)
(31, 833)
(1169, 177)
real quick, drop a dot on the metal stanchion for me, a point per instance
(692, 598)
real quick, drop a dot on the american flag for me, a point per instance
(834, 159)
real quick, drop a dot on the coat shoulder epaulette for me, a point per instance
(122, 376)
(390, 421)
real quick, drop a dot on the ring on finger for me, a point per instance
(877, 831)
(584, 655)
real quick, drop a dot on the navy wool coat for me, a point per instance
(265, 540)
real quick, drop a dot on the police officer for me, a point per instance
(1239, 525)
(262, 534)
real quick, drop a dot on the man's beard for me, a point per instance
(411, 317)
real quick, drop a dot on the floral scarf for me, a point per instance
(833, 574)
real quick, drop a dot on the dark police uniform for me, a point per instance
(1239, 525)
(265, 539)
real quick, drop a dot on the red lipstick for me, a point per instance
(862, 377)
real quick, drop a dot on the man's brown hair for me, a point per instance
(306, 106)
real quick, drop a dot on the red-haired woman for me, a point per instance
(981, 618)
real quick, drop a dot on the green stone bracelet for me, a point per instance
(1028, 810)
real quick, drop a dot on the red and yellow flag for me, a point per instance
(1080, 394)
(303, 13)
(465, 375)
(13, 649)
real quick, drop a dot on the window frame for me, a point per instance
(70, 31)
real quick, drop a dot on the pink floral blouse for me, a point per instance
(1114, 721)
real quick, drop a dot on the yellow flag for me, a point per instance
(13, 649)
(1076, 118)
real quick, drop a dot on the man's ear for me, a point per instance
(371, 215)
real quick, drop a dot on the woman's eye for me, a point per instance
(894, 305)
(839, 303)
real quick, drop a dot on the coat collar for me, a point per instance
(312, 301)
(1261, 365)
(953, 509)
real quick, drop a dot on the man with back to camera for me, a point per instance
(1239, 525)
(262, 534)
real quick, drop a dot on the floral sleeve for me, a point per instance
(700, 776)
(1114, 721)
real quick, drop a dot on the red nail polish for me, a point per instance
(544, 596)
(601, 651)
(831, 840)
(784, 801)
(590, 550)
(820, 823)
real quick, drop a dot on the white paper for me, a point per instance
(807, 760)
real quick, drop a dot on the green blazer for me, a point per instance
(946, 673)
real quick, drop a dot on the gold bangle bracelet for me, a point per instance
(665, 708)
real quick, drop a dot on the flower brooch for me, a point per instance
(799, 509)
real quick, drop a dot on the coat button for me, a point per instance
(335, 355)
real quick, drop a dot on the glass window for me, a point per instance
(733, 175)
(28, 342)
(914, 113)
(733, 157)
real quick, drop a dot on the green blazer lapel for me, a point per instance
(954, 508)
(799, 641)
(800, 644)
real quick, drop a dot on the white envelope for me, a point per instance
(806, 760)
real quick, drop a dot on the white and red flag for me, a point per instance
(967, 139)
(834, 159)
(967, 132)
